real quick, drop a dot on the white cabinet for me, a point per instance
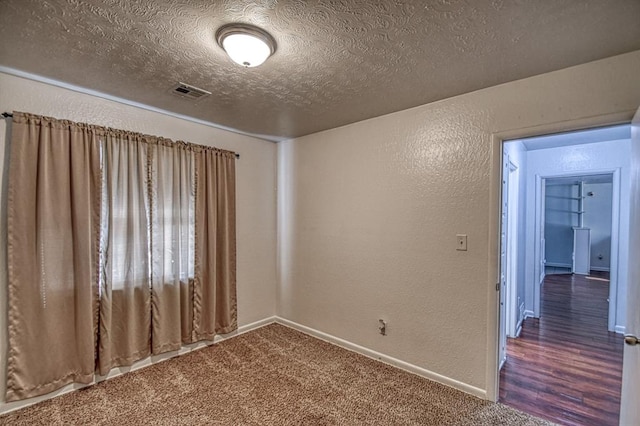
(581, 251)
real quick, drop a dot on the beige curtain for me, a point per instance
(119, 245)
(125, 297)
(215, 249)
(52, 245)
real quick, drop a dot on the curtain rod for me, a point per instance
(8, 115)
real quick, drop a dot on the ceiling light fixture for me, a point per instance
(246, 45)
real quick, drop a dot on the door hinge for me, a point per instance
(497, 286)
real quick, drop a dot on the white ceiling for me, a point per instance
(337, 62)
(600, 134)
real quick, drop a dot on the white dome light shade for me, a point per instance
(246, 45)
(246, 50)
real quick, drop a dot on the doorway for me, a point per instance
(545, 315)
(557, 249)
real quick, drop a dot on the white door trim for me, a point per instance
(513, 245)
(614, 262)
(539, 244)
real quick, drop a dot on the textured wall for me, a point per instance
(369, 213)
(255, 185)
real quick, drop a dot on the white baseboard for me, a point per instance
(447, 381)
(502, 361)
(519, 325)
(244, 329)
(558, 265)
(620, 329)
(522, 314)
(6, 407)
(528, 314)
(600, 268)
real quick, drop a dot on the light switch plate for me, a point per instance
(461, 240)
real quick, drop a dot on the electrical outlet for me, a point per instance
(461, 242)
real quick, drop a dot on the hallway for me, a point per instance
(566, 367)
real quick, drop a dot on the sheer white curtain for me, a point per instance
(172, 244)
(125, 283)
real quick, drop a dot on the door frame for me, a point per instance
(615, 237)
(629, 411)
(512, 309)
(509, 244)
(505, 220)
(493, 251)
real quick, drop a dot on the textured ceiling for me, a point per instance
(338, 61)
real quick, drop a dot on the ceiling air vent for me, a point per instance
(188, 91)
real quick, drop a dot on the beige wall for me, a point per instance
(255, 186)
(368, 215)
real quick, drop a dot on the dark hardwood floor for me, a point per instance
(566, 367)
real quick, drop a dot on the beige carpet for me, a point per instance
(270, 376)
